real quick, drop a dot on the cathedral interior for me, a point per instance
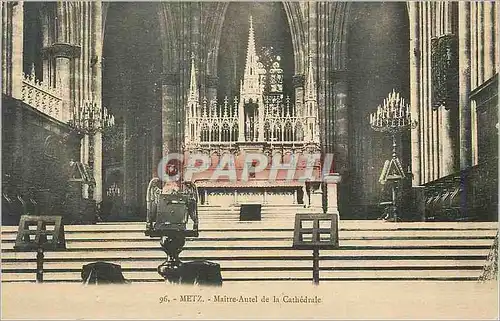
(95, 94)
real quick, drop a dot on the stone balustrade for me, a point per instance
(42, 96)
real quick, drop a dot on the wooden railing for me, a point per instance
(468, 195)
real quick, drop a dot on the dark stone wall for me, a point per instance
(378, 61)
(132, 72)
(36, 156)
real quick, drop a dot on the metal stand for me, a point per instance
(33, 236)
(392, 173)
(39, 265)
(394, 207)
(393, 116)
(316, 266)
(321, 236)
(172, 245)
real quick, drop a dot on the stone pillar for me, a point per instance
(155, 151)
(489, 50)
(168, 114)
(64, 53)
(340, 121)
(12, 76)
(12, 48)
(464, 84)
(17, 48)
(448, 155)
(97, 91)
(415, 91)
(332, 180)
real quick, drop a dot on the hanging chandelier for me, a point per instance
(393, 115)
(91, 118)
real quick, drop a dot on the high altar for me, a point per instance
(260, 121)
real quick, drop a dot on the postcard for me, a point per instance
(249, 160)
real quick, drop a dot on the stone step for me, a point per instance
(220, 234)
(241, 254)
(270, 275)
(270, 244)
(354, 225)
(261, 250)
(9, 267)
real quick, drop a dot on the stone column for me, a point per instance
(168, 114)
(12, 74)
(64, 53)
(97, 91)
(489, 49)
(155, 150)
(415, 91)
(331, 181)
(447, 139)
(464, 84)
(340, 121)
(12, 48)
(448, 155)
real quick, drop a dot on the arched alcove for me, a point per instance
(271, 28)
(132, 67)
(378, 62)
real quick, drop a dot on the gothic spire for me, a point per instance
(311, 94)
(193, 85)
(250, 84)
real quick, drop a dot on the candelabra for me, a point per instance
(392, 117)
(90, 118)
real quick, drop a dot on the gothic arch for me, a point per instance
(168, 37)
(340, 13)
(215, 23)
(296, 27)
